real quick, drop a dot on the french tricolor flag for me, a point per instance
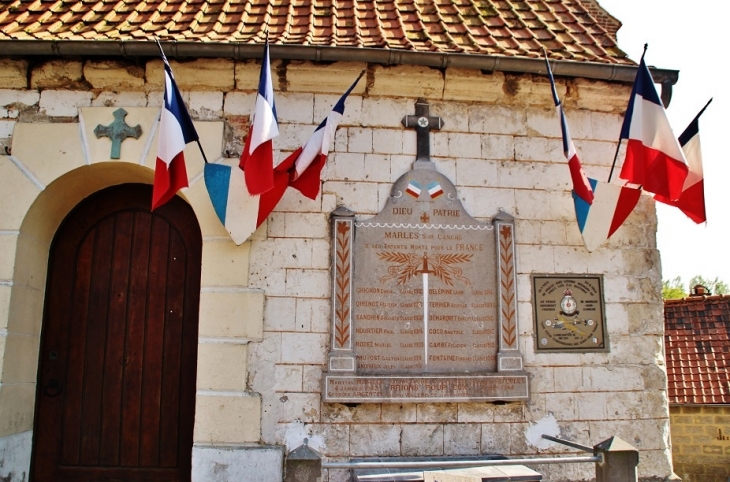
(234, 206)
(600, 208)
(611, 205)
(414, 189)
(654, 158)
(302, 169)
(176, 131)
(257, 158)
(581, 186)
(308, 161)
(435, 190)
(692, 200)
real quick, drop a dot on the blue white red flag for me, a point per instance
(257, 158)
(414, 189)
(600, 208)
(176, 131)
(302, 169)
(611, 205)
(692, 200)
(654, 158)
(581, 187)
(234, 206)
(434, 190)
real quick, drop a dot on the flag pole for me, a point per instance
(164, 59)
(201, 150)
(703, 109)
(615, 158)
(556, 100)
(362, 72)
(352, 87)
(618, 147)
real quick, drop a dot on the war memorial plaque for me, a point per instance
(569, 314)
(424, 301)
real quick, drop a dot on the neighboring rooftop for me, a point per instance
(575, 30)
(697, 347)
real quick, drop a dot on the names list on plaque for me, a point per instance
(426, 264)
(424, 301)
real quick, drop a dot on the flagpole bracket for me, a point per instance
(421, 164)
(666, 94)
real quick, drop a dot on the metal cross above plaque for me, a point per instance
(424, 301)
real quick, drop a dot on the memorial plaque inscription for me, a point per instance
(424, 297)
(423, 290)
(569, 313)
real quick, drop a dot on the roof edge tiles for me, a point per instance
(697, 298)
(697, 404)
(239, 51)
(697, 350)
(609, 23)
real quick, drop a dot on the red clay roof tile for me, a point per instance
(697, 347)
(494, 27)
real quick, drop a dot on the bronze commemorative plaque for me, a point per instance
(569, 313)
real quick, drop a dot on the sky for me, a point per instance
(689, 36)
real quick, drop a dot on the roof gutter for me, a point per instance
(241, 51)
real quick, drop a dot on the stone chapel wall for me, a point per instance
(501, 147)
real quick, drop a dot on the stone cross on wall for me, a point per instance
(117, 131)
(423, 123)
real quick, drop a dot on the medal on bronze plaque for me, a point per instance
(569, 314)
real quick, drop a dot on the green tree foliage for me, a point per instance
(715, 287)
(673, 289)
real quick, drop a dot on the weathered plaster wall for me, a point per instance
(265, 309)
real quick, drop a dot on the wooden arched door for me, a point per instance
(116, 377)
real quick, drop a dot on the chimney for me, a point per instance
(699, 290)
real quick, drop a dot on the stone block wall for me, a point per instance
(701, 442)
(265, 312)
(499, 156)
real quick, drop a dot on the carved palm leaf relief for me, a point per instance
(405, 267)
(342, 285)
(444, 270)
(507, 285)
(408, 265)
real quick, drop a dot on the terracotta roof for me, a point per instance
(697, 346)
(509, 28)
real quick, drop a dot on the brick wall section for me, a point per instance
(701, 442)
(501, 146)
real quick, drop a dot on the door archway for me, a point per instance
(117, 367)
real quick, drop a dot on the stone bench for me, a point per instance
(442, 474)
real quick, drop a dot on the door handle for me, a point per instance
(53, 388)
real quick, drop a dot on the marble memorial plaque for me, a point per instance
(424, 287)
(424, 290)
